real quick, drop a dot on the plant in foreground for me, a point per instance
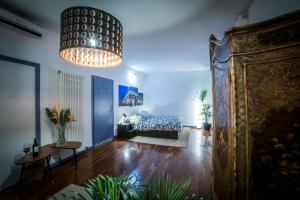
(129, 188)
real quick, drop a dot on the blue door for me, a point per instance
(102, 109)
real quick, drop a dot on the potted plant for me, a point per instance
(206, 110)
(60, 120)
(207, 114)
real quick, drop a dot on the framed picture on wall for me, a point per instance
(140, 100)
(129, 96)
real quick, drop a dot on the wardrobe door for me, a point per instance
(222, 136)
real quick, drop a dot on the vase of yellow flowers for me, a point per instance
(60, 120)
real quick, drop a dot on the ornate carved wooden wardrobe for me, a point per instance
(256, 106)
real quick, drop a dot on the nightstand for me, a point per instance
(125, 130)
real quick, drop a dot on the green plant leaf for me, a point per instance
(202, 95)
(127, 188)
(206, 112)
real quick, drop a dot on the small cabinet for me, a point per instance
(125, 130)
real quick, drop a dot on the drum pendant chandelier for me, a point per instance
(90, 37)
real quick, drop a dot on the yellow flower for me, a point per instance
(71, 118)
(53, 109)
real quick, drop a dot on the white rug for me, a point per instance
(182, 141)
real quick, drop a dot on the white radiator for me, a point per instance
(71, 96)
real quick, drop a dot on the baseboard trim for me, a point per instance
(58, 162)
(70, 157)
(188, 126)
(108, 140)
(87, 149)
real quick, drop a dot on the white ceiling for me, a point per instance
(159, 35)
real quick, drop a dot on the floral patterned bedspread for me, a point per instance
(159, 123)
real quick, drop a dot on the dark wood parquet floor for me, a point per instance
(119, 156)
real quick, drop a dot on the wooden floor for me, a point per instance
(120, 156)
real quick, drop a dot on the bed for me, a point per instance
(157, 126)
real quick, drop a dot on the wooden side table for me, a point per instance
(44, 153)
(69, 145)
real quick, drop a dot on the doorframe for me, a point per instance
(36, 67)
(92, 106)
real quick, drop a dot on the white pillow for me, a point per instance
(134, 119)
(145, 114)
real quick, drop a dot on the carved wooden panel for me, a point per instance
(263, 36)
(271, 86)
(222, 158)
(273, 92)
(242, 63)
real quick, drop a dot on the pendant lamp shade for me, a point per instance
(90, 37)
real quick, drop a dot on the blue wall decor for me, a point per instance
(129, 96)
(140, 99)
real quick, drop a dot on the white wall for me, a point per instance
(175, 94)
(266, 9)
(45, 51)
(17, 114)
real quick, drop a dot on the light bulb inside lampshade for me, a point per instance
(93, 42)
(90, 37)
